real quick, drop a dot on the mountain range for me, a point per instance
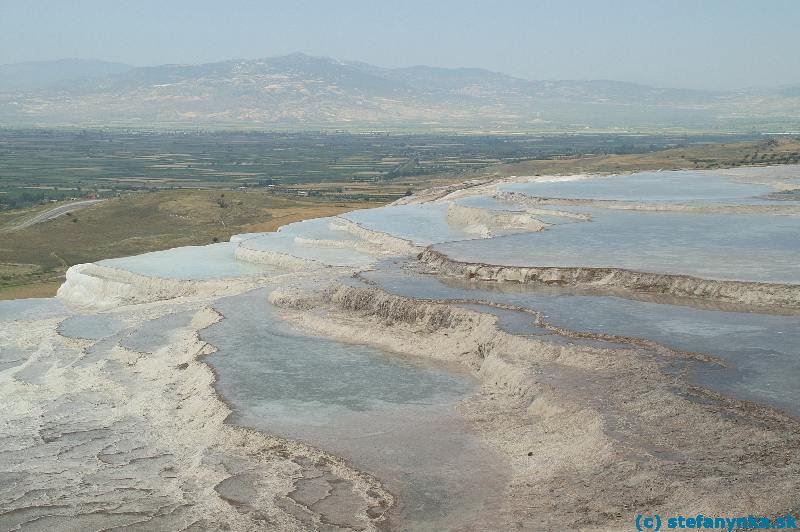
(298, 91)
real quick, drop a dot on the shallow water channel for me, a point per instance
(643, 186)
(761, 350)
(713, 246)
(388, 415)
(214, 261)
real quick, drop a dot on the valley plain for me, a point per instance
(166, 191)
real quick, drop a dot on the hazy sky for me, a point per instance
(678, 43)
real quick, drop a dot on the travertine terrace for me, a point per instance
(580, 385)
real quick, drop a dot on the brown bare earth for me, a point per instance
(42, 289)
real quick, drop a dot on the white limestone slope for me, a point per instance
(94, 287)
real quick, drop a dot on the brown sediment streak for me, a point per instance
(744, 292)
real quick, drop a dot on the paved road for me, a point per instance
(55, 212)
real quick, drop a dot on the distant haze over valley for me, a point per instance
(298, 91)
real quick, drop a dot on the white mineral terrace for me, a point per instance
(531, 353)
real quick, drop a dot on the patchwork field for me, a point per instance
(42, 165)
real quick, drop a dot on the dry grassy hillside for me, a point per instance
(33, 260)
